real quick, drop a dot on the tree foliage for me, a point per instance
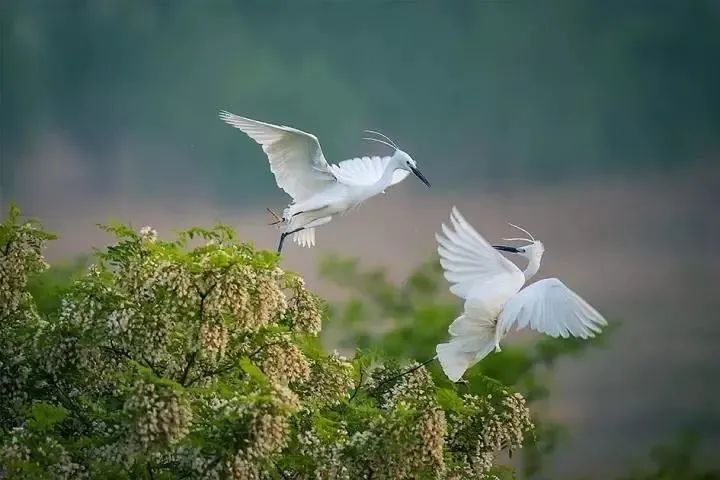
(410, 319)
(198, 357)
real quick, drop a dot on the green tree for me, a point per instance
(409, 320)
(198, 358)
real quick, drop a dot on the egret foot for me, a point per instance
(278, 218)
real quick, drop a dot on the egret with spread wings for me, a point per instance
(320, 190)
(495, 301)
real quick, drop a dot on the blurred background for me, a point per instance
(595, 125)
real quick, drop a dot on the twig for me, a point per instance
(190, 362)
(192, 356)
(359, 385)
(394, 377)
(212, 464)
(210, 373)
(124, 353)
(279, 470)
(260, 349)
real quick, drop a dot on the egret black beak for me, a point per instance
(420, 176)
(503, 248)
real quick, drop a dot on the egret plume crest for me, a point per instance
(380, 140)
(531, 239)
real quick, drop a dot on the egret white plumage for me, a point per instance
(320, 190)
(495, 301)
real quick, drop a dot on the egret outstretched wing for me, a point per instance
(365, 171)
(550, 307)
(468, 259)
(296, 158)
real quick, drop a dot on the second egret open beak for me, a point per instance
(420, 176)
(503, 248)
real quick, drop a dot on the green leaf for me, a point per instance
(449, 400)
(253, 371)
(46, 415)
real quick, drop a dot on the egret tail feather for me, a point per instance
(471, 341)
(305, 238)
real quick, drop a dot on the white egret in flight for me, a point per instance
(320, 190)
(491, 286)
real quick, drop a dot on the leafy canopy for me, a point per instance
(198, 357)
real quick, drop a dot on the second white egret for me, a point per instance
(320, 190)
(491, 286)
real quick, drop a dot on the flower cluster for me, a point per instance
(259, 421)
(404, 438)
(329, 456)
(214, 338)
(432, 429)
(412, 422)
(21, 255)
(148, 233)
(160, 415)
(270, 301)
(268, 435)
(25, 452)
(305, 312)
(487, 426)
(330, 381)
(21, 248)
(284, 362)
(416, 386)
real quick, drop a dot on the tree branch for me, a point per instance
(358, 387)
(193, 356)
(394, 377)
(210, 373)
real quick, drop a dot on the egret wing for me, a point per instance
(365, 171)
(550, 307)
(468, 259)
(296, 158)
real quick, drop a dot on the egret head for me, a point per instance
(402, 160)
(533, 251)
(406, 162)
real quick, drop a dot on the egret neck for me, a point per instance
(533, 265)
(385, 180)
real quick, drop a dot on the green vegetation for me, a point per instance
(198, 358)
(407, 321)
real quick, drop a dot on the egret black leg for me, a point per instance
(282, 239)
(283, 235)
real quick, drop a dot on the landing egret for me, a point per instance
(491, 286)
(320, 190)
